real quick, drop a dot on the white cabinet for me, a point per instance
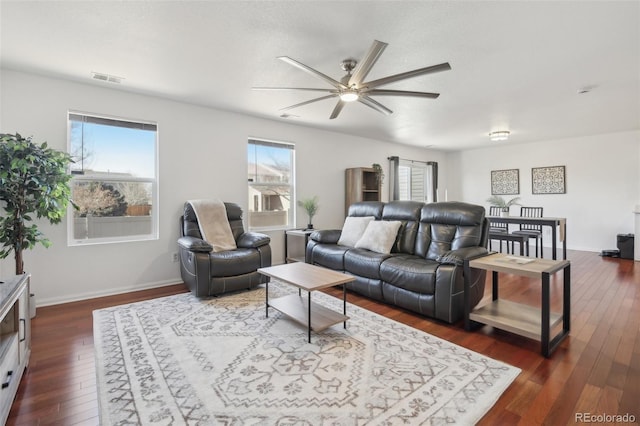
(15, 338)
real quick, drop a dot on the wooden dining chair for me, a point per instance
(497, 229)
(533, 231)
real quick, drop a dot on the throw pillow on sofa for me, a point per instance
(379, 236)
(353, 229)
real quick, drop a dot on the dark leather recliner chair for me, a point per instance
(207, 273)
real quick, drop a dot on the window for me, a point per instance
(414, 180)
(114, 183)
(271, 184)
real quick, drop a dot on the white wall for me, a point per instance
(602, 182)
(202, 154)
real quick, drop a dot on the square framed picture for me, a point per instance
(505, 182)
(548, 180)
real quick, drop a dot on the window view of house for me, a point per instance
(114, 179)
(271, 185)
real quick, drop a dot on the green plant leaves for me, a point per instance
(498, 201)
(33, 180)
(310, 205)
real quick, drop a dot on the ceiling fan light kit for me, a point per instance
(500, 135)
(352, 86)
(349, 95)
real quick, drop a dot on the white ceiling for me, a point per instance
(515, 65)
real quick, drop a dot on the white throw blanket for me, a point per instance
(213, 223)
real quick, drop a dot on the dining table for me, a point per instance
(558, 227)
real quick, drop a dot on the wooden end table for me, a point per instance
(310, 278)
(296, 252)
(517, 318)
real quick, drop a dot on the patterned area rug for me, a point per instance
(180, 360)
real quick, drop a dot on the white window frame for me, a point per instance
(291, 216)
(154, 234)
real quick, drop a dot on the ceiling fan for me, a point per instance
(352, 86)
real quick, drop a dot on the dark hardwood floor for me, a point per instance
(595, 371)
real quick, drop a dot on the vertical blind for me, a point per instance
(413, 180)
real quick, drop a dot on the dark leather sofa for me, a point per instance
(424, 270)
(209, 273)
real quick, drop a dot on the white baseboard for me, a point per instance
(109, 292)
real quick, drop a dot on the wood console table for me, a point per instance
(517, 318)
(558, 228)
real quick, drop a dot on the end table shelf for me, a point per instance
(513, 317)
(528, 321)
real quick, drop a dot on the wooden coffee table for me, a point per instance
(300, 309)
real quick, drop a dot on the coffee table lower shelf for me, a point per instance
(514, 317)
(297, 308)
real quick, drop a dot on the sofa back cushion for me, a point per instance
(408, 213)
(366, 208)
(448, 226)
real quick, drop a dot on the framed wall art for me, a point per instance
(548, 180)
(505, 182)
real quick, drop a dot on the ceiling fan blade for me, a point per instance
(309, 102)
(295, 88)
(381, 92)
(409, 74)
(313, 72)
(337, 109)
(374, 105)
(364, 66)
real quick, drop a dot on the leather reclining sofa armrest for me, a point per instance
(326, 236)
(457, 257)
(252, 240)
(195, 244)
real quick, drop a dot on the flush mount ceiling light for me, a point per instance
(500, 135)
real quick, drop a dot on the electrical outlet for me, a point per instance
(174, 257)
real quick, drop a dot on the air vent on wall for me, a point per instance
(106, 77)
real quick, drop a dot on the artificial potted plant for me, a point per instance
(377, 168)
(498, 201)
(34, 183)
(310, 205)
